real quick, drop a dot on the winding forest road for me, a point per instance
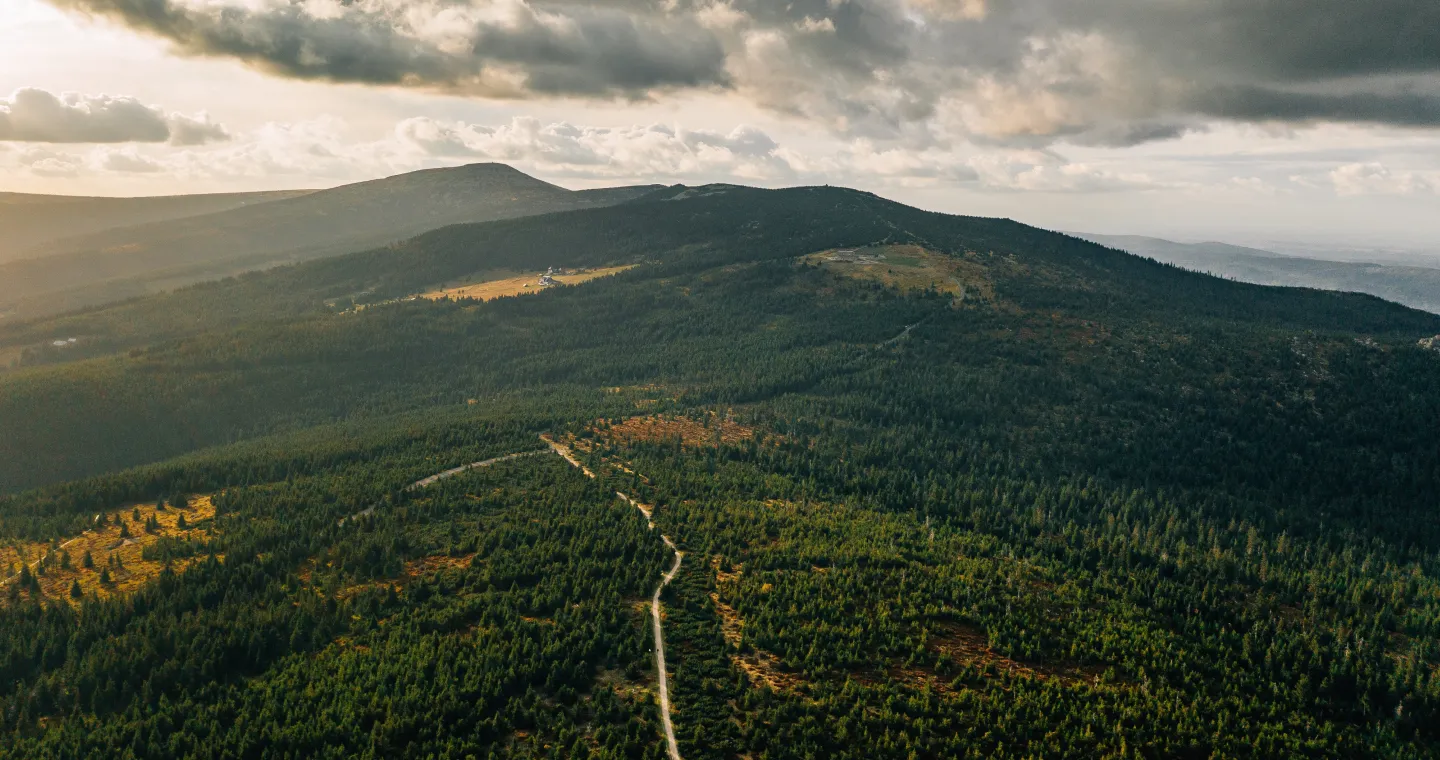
(433, 479)
(439, 476)
(671, 748)
(670, 745)
(905, 334)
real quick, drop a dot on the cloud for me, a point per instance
(195, 130)
(322, 152)
(1048, 172)
(128, 162)
(644, 153)
(504, 48)
(604, 152)
(916, 72)
(1374, 178)
(47, 163)
(38, 116)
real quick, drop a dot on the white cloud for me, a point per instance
(195, 130)
(47, 163)
(127, 161)
(602, 152)
(1374, 178)
(1049, 172)
(37, 116)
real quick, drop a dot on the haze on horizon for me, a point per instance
(1314, 121)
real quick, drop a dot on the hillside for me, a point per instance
(28, 222)
(940, 487)
(713, 224)
(136, 260)
(1417, 287)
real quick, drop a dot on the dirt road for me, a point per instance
(671, 749)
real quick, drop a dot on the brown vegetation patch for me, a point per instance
(968, 645)
(346, 643)
(762, 668)
(414, 570)
(635, 691)
(912, 268)
(721, 576)
(500, 287)
(645, 396)
(107, 547)
(731, 626)
(352, 591)
(431, 565)
(712, 431)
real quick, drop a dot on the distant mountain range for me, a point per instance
(1418, 287)
(60, 254)
(246, 233)
(33, 224)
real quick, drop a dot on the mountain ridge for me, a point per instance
(132, 261)
(1414, 286)
(30, 220)
(698, 230)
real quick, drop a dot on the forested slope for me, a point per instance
(726, 225)
(135, 260)
(1058, 501)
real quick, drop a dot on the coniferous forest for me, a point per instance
(1038, 499)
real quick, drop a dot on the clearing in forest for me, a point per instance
(712, 431)
(117, 545)
(910, 268)
(518, 286)
(416, 569)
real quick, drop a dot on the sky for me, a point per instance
(1315, 121)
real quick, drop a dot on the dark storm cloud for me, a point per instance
(598, 51)
(1280, 40)
(1254, 103)
(1102, 72)
(573, 50)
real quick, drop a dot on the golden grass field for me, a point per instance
(102, 543)
(912, 268)
(519, 286)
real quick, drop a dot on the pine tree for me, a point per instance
(88, 561)
(75, 591)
